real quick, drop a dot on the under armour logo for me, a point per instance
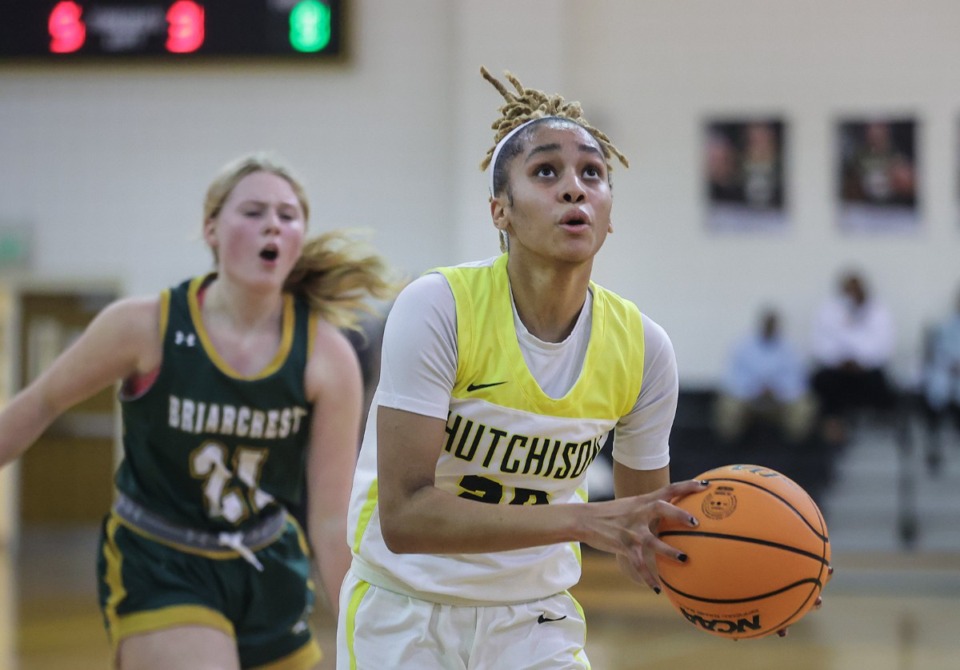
(189, 339)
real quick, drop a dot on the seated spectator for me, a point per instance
(852, 344)
(941, 377)
(766, 381)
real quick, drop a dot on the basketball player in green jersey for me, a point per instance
(234, 385)
(500, 382)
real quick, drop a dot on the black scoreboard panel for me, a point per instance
(74, 30)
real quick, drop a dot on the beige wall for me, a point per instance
(108, 164)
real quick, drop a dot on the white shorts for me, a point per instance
(384, 630)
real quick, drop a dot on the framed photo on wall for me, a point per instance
(744, 175)
(877, 174)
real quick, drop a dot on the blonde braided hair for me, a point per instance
(528, 104)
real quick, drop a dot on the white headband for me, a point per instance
(506, 138)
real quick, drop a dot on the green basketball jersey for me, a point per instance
(205, 446)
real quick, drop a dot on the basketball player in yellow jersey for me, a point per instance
(500, 382)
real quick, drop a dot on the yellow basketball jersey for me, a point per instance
(508, 442)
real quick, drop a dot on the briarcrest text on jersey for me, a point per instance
(199, 417)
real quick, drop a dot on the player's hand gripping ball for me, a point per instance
(758, 560)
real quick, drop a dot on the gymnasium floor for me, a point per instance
(894, 612)
(886, 608)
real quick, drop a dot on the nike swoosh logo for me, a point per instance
(543, 619)
(476, 387)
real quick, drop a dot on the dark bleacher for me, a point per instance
(695, 448)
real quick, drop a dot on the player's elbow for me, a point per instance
(397, 542)
(398, 535)
(402, 524)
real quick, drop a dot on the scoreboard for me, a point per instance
(86, 30)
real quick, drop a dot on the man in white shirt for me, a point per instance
(852, 344)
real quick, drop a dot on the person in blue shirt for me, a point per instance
(765, 380)
(941, 379)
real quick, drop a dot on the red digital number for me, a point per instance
(186, 31)
(67, 30)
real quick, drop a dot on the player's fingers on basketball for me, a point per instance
(670, 512)
(640, 568)
(639, 574)
(680, 489)
(627, 567)
(650, 560)
(656, 545)
(640, 559)
(650, 580)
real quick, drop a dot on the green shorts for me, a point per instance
(146, 585)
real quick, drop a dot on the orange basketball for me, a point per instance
(758, 560)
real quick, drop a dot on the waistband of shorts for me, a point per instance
(366, 572)
(259, 536)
